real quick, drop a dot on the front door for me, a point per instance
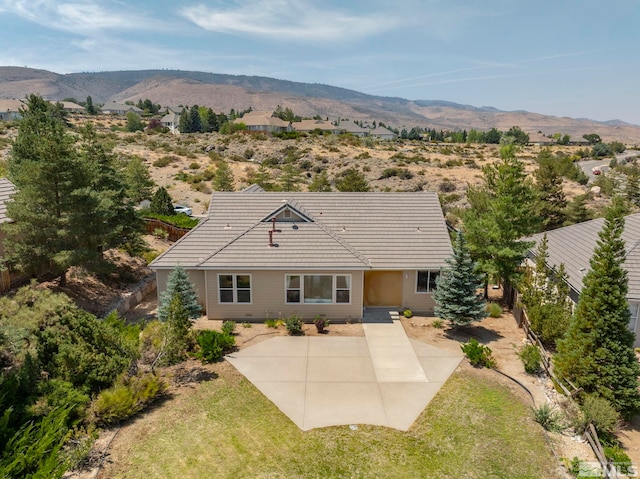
(382, 288)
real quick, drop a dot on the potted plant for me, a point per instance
(321, 322)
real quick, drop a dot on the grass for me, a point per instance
(228, 429)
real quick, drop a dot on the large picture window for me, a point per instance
(426, 282)
(318, 288)
(234, 288)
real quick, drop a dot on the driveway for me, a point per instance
(383, 379)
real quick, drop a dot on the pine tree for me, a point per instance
(597, 354)
(352, 180)
(90, 107)
(186, 124)
(500, 215)
(177, 328)
(161, 203)
(320, 183)
(223, 177)
(196, 121)
(577, 211)
(178, 284)
(137, 179)
(456, 294)
(551, 201)
(632, 187)
(289, 178)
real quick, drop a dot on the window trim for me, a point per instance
(334, 288)
(428, 271)
(234, 288)
(633, 320)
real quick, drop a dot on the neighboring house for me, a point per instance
(10, 109)
(383, 133)
(573, 245)
(578, 142)
(351, 127)
(263, 121)
(172, 121)
(540, 140)
(175, 109)
(114, 108)
(312, 125)
(70, 106)
(264, 254)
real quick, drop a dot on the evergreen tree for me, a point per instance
(456, 294)
(195, 120)
(351, 180)
(186, 123)
(89, 106)
(177, 328)
(545, 295)
(632, 187)
(289, 178)
(551, 202)
(133, 122)
(178, 284)
(500, 215)
(320, 182)
(577, 211)
(161, 203)
(263, 178)
(597, 354)
(137, 179)
(223, 177)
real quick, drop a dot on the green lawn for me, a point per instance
(474, 428)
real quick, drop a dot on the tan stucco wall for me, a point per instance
(422, 303)
(268, 298)
(196, 278)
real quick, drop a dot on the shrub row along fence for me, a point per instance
(590, 435)
(174, 233)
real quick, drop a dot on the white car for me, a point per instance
(182, 209)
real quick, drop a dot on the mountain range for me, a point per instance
(222, 92)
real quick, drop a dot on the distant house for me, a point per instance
(174, 109)
(351, 127)
(578, 142)
(273, 254)
(70, 106)
(573, 246)
(540, 140)
(171, 120)
(382, 133)
(10, 109)
(114, 108)
(312, 125)
(263, 121)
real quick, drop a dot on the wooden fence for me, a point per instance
(590, 435)
(174, 233)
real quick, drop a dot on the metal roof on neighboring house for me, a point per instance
(6, 190)
(574, 245)
(343, 231)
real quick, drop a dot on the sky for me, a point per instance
(576, 58)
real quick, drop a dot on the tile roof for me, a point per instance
(6, 190)
(345, 231)
(573, 245)
(310, 125)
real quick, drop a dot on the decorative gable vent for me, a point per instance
(288, 213)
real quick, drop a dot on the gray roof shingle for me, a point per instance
(346, 231)
(574, 245)
(6, 190)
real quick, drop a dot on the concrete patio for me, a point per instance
(383, 379)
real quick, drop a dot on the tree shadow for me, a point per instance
(188, 376)
(480, 333)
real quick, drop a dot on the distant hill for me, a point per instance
(222, 92)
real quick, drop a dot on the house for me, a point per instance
(540, 140)
(264, 254)
(351, 127)
(70, 106)
(383, 133)
(10, 109)
(312, 125)
(574, 245)
(114, 108)
(172, 121)
(263, 121)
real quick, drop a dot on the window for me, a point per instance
(318, 288)
(633, 308)
(234, 288)
(426, 282)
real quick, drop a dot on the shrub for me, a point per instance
(228, 327)
(194, 166)
(478, 354)
(547, 418)
(494, 310)
(619, 458)
(164, 161)
(321, 322)
(407, 313)
(149, 255)
(437, 323)
(531, 358)
(294, 325)
(273, 323)
(160, 233)
(600, 412)
(129, 396)
(213, 344)
(246, 325)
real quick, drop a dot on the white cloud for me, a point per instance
(81, 16)
(289, 20)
